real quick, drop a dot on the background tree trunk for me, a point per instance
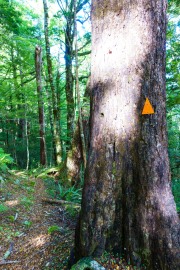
(74, 158)
(78, 89)
(69, 37)
(38, 67)
(56, 131)
(127, 203)
(53, 148)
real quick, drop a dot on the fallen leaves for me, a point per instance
(26, 224)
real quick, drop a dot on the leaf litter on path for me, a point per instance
(33, 247)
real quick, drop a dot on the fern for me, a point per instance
(4, 160)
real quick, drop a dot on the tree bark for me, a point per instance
(38, 68)
(56, 131)
(127, 203)
(75, 155)
(74, 158)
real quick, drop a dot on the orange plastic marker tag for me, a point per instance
(148, 109)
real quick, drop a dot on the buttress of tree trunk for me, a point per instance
(38, 67)
(127, 203)
(75, 155)
(74, 158)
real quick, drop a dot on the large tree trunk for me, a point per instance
(38, 68)
(56, 131)
(127, 203)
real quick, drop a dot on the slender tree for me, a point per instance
(24, 121)
(56, 131)
(69, 38)
(77, 87)
(127, 203)
(38, 68)
(50, 111)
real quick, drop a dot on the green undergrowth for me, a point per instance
(176, 193)
(3, 208)
(5, 160)
(56, 190)
(43, 173)
(51, 172)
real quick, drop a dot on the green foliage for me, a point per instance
(173, 95)
(176, 192)
(3, 208)
(72, 210)
(57, 190)
(54, 228)
(70, 194)
(21, 28)
(9, 232)
(11, 218)
(5, 159)
(10, 18)
(27, 223)
(43, 173)
(27, 202)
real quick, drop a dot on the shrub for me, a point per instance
(4, 160)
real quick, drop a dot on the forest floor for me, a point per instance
(33, 234)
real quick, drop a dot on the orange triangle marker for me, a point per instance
(148, 109)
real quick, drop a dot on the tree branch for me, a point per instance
(80, 5)
(8, 262)
(84, 53)
(47, 200)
